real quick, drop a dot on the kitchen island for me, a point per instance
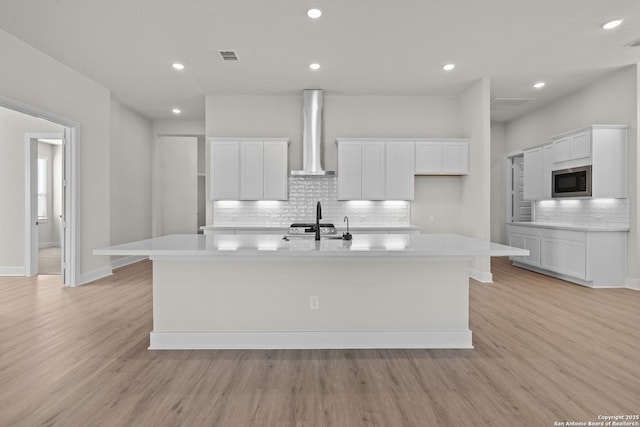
(261, 291)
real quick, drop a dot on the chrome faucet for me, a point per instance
(318, 218)
(347, 235)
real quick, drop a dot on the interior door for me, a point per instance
(63, 207)
(32, 207)
(178, 163)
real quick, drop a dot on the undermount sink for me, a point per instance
(311, 236)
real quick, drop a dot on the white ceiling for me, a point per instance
(394, 47)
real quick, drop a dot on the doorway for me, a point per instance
(518, 209)
(49, 201)
(69, 235)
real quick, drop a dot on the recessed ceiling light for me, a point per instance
(314, 66)
(539, 85)
(178, 66)
(449, 67)
(314, 13)
(612, 24)
(176, 111)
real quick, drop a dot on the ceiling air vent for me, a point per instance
(228, 55)
(510, 102)
(635, 43)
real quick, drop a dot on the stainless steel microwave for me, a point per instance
(574, 182)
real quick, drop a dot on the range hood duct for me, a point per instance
(312, 136)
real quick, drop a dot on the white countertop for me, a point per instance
(273, 246)
(572, 227)
(339, 227)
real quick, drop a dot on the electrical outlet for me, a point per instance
(314, 302)
(432, 219)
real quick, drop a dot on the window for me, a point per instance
(42, 188)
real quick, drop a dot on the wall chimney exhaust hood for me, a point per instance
(312, 136)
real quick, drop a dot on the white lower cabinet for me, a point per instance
(530, 243)
(590, 258)
(565, 257)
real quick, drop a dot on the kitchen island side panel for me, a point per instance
(228, 303)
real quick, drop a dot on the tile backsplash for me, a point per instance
(304, 193)
(583, 212)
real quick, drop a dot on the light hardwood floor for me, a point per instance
(545, 351)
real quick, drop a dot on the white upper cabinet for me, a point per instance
(276, 170)
(249, 169)
(533, 174)
(225, 170)
(604, 147)
(547, 167)
(349, 170)
(442, 157)
(371, 169)
(400, 170)
(573, 147)
(537, 173)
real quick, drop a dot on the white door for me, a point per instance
(178, 163)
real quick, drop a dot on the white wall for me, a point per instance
(130, 172)
(170, 128)
(611, 100)
(35, 79)
(475, 209)
(13, 126)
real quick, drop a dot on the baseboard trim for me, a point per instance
(12, 271)
(46, 245)
(481, 276)
(443, 339)
(95, 275)
(633, 284)
(127, 260)
(566, 278)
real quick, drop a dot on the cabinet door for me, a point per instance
(429, 157)
(533, 174)
(251, 170)
(574, 259)
(225, 170)
(275, 170)
(561, 150)
(532, 243)
(551, 255)
(456, 158)
(400, 165)
(349, 170)
(529, 242)
(580, 145)
(547, 168)
(373, 170)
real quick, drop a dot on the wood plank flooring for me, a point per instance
(545, 351)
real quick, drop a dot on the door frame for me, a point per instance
(508, 166)
(71, 193)
(31, 202)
